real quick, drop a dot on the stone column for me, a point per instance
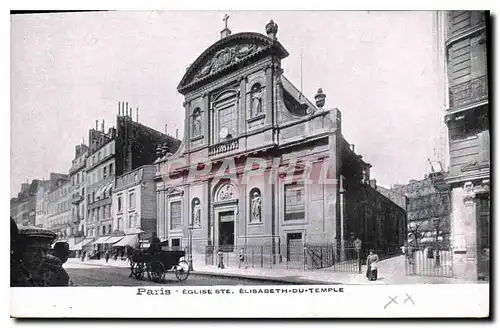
(205, 110)
(242, 115)
(463, 219)
(269, 94)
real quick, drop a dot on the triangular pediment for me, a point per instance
(228, 54)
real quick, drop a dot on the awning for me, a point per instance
(101, 240)
(59, 241)
(129, 240)
(99, 192)
(77, 247)
(108, 188)
(113, 240)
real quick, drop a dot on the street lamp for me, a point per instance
(190, 247)
(436, 226)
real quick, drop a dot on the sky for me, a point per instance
(70, 69)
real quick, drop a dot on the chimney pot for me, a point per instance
(96, 125)
(166, 130)
(177, 133)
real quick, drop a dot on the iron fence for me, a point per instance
(332, 257)
(430, 261)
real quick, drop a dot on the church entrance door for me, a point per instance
(226, 231)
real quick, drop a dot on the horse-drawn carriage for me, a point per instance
(157, 264)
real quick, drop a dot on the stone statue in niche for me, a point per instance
(256, 207)
(196, 123)
(256, 100)
(196, 213)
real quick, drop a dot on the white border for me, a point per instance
(356, 301)
(353, 302)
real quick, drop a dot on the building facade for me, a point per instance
(467, 118)
(100, 173)
(114, 153)
(42, 202)
(59, 209)
(428, 210)
(78, 177)
(260, 164)
(134, 206)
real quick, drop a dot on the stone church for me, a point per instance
(259, 163)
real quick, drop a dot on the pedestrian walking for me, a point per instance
(241, 257)
(107, 256)
(220, 256)
(372, 266)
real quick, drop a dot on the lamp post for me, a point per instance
(436, 226)
(190, 247)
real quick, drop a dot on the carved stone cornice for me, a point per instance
(228, 53)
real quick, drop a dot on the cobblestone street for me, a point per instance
(95, 276)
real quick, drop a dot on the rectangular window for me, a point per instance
(119, 224)
(175, 215)
(176, 242)
(111, 172)
(99, 156)
(119, 203)
(104, 172)
(105, 150)
(294, 202)
(93, 160)
(131, 200)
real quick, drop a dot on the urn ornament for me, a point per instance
(320, 98)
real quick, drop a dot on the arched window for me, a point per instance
(255, 205)
(196, 212)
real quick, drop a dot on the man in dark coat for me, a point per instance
(31, 263)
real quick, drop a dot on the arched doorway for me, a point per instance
(225, 214)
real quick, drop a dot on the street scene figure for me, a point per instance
(372, 266)
(31, 263)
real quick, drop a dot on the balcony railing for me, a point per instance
(223, 147)
(469, 92)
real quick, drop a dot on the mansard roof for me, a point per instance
(228, 54)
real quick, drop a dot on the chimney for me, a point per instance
(158, 151)
(96, 125)
(137, 114)
(126, 109)
(102, 126)
(118, 108)
(164, 149)
(166, 131)
(176, 133)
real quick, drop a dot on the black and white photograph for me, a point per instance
(222, 157)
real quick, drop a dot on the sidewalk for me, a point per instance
(390, 272)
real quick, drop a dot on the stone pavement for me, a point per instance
(391, 272)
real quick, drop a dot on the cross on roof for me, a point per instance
(225, 19)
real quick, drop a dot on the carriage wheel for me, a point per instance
(138, 270)
(182, 270)
(157, 271)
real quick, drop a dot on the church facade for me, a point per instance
(259, 164)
